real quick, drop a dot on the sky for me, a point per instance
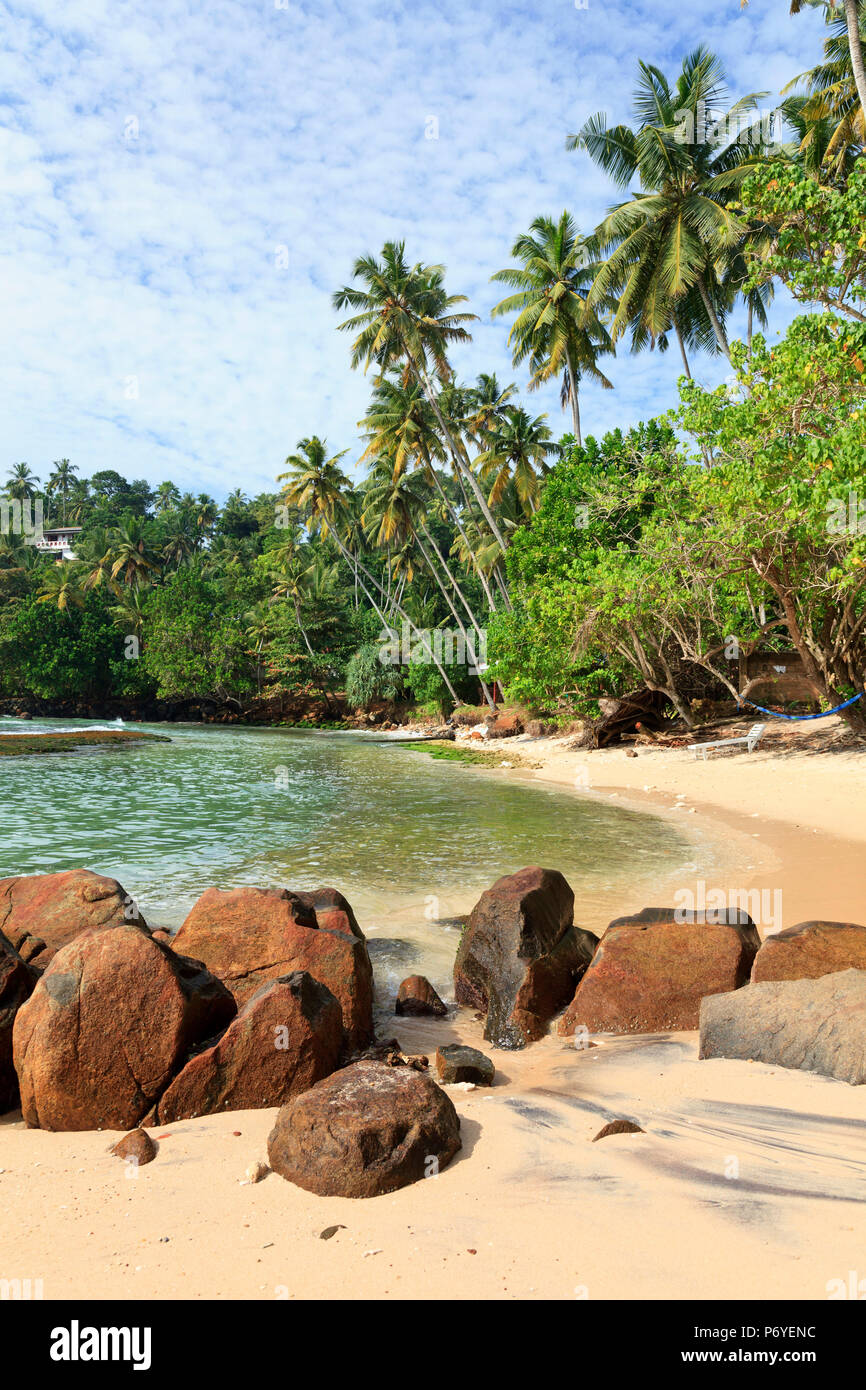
(184, 185)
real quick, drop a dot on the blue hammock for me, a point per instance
(825, 715)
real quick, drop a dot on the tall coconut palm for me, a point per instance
(61, 481)
(167, 497)
(22, 484)
(400, 426)
(679, 232)
(853, 11)
(135, 563)
(405, 318)
(518, 450)
(829, 117)
(557, 330)
(317, 486)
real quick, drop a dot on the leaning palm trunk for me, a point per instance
(397, 607)
(856, 50)
(454, 516)
(427, 387)
(451, 580)
(448, 599)
(686, 367)
(719, 331)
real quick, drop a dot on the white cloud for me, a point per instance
(154, 159)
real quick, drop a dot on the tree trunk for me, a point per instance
(719, 331)
(397, 609)
(447, 597)
(682, 348)
(452, 512)
(427, 387)
(573, 393)
(856, 50)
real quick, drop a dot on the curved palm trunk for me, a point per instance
(427, 387)
(445, 594)
(573, 394)
(713, 317)
(453, 514)
(397, 607)
(451, 580)
(856, 50)
(302, 628)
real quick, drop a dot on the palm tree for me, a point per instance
(319, 488)
(97, 556)
(853, 10)
(134, 562)
(23, 485)
(206, 515)
(60, 587)
(829, 118)
(678, 233)
(167, 497)
(61, 480)
(518, 450)
(404, 318)
(400, 426)
(556, 329)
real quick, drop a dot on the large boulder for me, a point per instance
(40, 913)
(809, 1024)
(811, 949)
(367, 1129)
(287, 1037)
(108, 1025)
(651, 971)
(17, 982)
(248, 936)
(520, 956)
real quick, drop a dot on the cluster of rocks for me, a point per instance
(264, 997)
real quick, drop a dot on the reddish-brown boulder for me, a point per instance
(39, 913)
(367, 1129)
(248, 936)
(17, 981)
(332, 911)
(505, 726)
(137, 1145)
(287, 1037)
(416, 997)
(651, 971)
(520, 956)
(811, 949)
(109, 1023)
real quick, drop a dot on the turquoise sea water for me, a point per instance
(410, 841)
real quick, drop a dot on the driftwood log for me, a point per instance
(643, 707)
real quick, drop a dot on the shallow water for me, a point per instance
(409, 840)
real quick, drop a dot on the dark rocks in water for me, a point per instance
(814, 1025)
(248, 936)
(456, 1063)
(138, 1145)
(17, 982)
(520, 956)
(287, 1037)
(618, 1127)
(40, 913)
(652, 970)
(107, 1026)
(416, 997)
(363, 1131)
(809, 950)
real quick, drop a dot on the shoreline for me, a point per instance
(531, 1207)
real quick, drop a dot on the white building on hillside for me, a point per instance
(57, 540)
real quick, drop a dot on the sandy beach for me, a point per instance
(747, 1183)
